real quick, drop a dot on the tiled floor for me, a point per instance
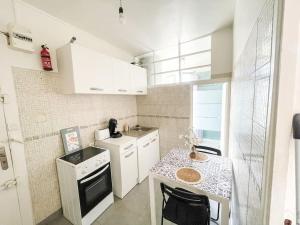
(133, 209)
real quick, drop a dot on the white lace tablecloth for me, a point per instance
(217, 171)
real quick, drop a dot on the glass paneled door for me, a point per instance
(209, 114)
(9, 206)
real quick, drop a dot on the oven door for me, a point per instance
(93, 188)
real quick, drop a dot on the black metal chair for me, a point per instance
(183, 207)
(212, 151)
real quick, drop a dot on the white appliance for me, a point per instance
(123, 152)
(85, 184)
(102, 134)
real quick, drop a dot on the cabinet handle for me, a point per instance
(122, 90)
(144, 146)
(153, 140)
(139, 91)
(128, 147)
(130, 154)
(96, 89)
(93, 176)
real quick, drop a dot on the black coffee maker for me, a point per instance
(112, 125)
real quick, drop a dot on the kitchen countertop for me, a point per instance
(140, 133)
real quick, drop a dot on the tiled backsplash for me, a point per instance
(250, 105)
(169, 109)
(43, 112)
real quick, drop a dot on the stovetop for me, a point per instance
(82, 155)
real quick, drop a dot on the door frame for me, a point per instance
(16, 148)
(225, 109)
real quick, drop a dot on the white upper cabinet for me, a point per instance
(84, 71)
(138, 80)
(103, 74)
(122, 77)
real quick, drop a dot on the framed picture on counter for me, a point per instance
(71, 139)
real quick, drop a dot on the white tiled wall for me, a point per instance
(43, 112)
(249, 114)
(169, 109)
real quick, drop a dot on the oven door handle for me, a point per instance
(95, 175)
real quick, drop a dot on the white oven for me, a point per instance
(85, 184)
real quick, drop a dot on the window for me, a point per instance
(185, 62)
(209, 102)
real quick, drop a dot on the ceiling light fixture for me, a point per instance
(121, 14)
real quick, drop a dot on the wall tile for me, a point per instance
(169, 109)
(249, 113)
(43, 112)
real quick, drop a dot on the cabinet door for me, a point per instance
(103, 74)
(93, 72)
(83, 69)
(154, 151)
(139, 80)
(129, 170)
(143, 160)
(121, 77)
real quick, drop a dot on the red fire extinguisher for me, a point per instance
(45, 58)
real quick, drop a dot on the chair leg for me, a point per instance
(218, 214)
(162, 214)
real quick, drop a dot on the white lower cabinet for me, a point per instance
(154, 151)
(143, 160)
(129, 170)
(148, 154)
(124, 164)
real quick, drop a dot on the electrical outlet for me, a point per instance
(4, 99)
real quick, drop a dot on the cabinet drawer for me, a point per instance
(148, 138)
(128, 146)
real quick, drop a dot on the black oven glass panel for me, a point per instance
(94, 188)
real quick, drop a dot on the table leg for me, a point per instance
(152, 200)
(225, 213)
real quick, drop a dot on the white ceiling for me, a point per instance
(150, 24)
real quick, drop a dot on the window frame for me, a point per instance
(179, 57)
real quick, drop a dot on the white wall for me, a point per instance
(282, 187)
(283, 205)
(52, 31)
(246, 14)
(45, 29)
(290, 200)
(252, 46)
(221, 52)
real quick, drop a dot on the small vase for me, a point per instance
(193, 153)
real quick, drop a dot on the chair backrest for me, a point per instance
(208, 150)
(184, 207)
(184, 195)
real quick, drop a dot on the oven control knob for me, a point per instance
(83, 172)
(97, 164)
